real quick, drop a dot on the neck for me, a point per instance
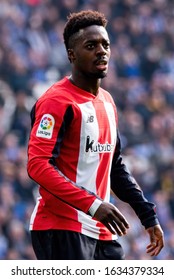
(89, 84)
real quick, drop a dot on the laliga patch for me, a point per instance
(45, 128)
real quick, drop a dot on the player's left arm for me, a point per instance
(126, 188)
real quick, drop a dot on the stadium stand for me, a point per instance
(140, 79)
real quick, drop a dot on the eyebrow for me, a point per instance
(96, 40)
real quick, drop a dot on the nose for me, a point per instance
(101, 50)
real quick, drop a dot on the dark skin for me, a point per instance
(89, 55)
(90, 49)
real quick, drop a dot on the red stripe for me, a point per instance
(104, 137)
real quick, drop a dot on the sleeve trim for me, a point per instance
(95, 205)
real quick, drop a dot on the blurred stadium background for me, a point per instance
(140, 79)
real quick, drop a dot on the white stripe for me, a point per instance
(88, 161)
(95, 205)
(34, 213)
(112, 123)
(89, 227)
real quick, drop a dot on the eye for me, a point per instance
(106, 45)
(90, 46)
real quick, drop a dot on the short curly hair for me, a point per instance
(80, 20)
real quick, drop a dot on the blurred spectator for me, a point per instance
(140, 79)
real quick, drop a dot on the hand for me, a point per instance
(156, 240)
(112, 218)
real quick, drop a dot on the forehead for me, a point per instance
(93, 32)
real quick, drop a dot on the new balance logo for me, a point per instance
(98, 148)
(90, 119)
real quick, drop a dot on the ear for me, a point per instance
(71, 55)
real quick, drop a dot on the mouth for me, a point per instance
(102, 65)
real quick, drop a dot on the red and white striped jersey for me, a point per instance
(70, 152)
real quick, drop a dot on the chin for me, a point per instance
(100, 75)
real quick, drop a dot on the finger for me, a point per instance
(151, 245)
(120, 221)
(110, 228)
(117, 229)
(159, 246)
(113, 228)
(119, 218)
(150, 248)
(118, 226)
(154, 249)
(154, 252)
(124, 223)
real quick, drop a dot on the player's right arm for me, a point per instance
(41, 149)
